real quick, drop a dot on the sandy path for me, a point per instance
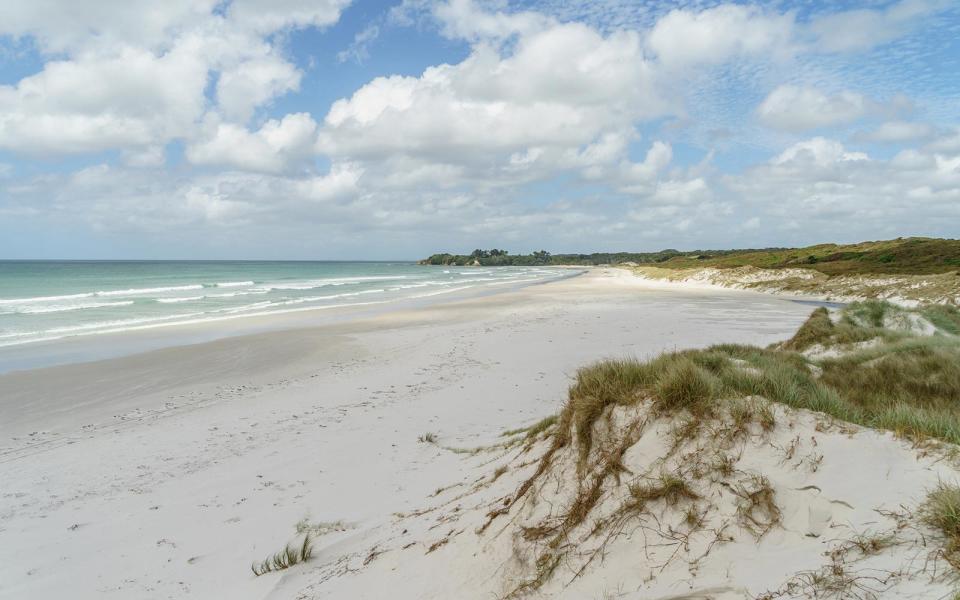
(164, 475)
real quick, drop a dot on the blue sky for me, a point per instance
(330, 129)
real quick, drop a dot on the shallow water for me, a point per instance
(54, 300)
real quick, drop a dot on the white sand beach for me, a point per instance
(166, 474)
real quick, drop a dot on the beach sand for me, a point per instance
(166, 474)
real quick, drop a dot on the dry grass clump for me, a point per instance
(758, 508)
(533, 430)
(942, 512)
(744, 411)
(871, 544)
(291, 555)
(670, 488)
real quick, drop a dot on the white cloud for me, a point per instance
(93, 103)
(251, 83)
(266, 16)
(948, 142)
(687, 38)
(68, 25)
(861, 29)
(558, 89)
(359, 49)
(795, 108)
(133, 75)
(819, 185)
(277, 147)
(818, 151)
(641, 177)
(463, 19)
(898, 131)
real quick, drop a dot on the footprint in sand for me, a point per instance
(813, 512)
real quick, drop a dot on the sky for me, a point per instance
(375, 129)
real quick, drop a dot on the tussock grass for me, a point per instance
(817, 329)
(292, 554)
(859, 322)
(943, 317)
(870, 313)
(686, 385)
(908, 384)
(942, 512)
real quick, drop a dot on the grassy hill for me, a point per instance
(902, 255)
(917, 256)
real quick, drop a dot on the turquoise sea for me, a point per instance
(51, 300)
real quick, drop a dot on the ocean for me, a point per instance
(51, 300)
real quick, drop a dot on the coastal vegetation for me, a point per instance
(901, 256)
(292, 554)
(695, 413)
(867, 366)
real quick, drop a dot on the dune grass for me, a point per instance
(942, 512)
(946, 318)
(905, 383)
(291, 554)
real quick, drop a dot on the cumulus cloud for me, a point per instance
(277, 147)
(557, 90)
(266, 16)
(92, 103)
(133, 75)
(250, 83)
(464, 19)
(819, 184)
(684, 38)
(61, 26)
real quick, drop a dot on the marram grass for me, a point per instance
(877, 377)
(292, 554)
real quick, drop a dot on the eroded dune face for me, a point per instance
(686, 485)
(763, 501)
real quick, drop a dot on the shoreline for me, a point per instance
(105, 344)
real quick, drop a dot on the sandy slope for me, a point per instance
(843, 526)
(164, 475)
